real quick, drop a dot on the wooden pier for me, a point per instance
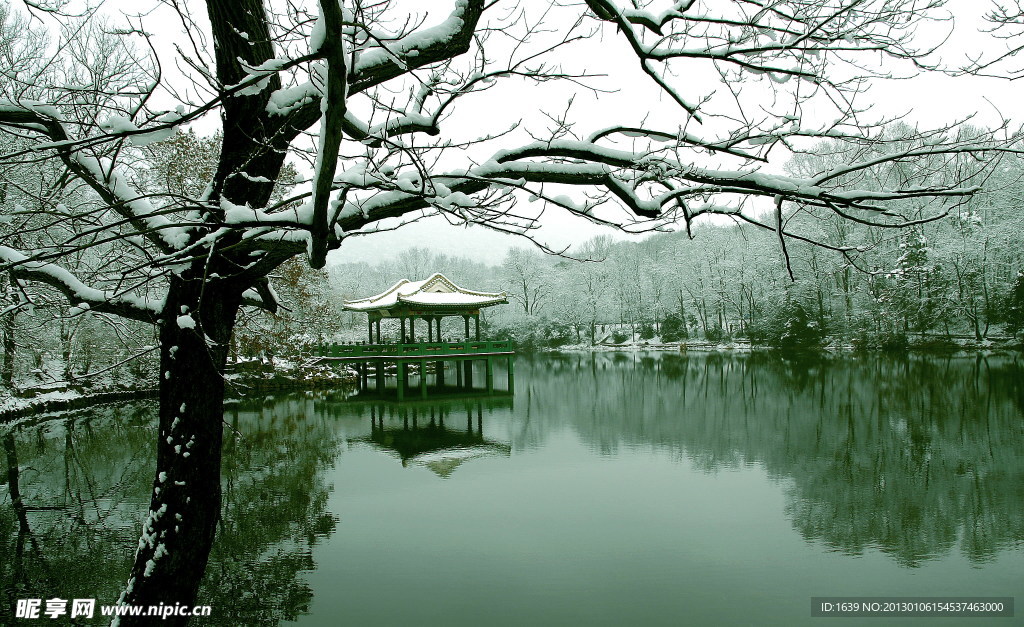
(426, 361)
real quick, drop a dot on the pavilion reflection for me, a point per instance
(440, 433)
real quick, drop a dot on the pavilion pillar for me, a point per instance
(476, 319)
(378, 330)
(412, 329)
(439, 328)
(430, 329)
(466, 318)
(369, 325)
(402, 336)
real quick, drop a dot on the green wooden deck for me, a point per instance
(418, 350)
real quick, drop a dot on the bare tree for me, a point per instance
(368, 97)
(526, 276)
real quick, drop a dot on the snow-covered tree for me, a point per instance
(386, 109)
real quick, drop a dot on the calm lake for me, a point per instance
(610, 489)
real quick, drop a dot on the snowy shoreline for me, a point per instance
(953, 348)
(14, 408)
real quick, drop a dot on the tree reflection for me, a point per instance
(72, 499)
(75, 491)
(275, 512)
(911, 456)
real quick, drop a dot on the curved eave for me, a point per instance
(404, 304)
(470, 305)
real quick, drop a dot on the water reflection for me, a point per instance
(84, 482)
(911, 456)
(918, 458)
(416, 431)
(72, 499)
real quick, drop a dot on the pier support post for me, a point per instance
(401, 380)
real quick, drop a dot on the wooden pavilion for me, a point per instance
(429, 301)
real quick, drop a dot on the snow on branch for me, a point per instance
(77, 292)
(419, 48)
(101, 175)
(333, 105)
(630, 175)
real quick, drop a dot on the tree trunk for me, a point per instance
(67, 338)
(195, 334)
(7, 335)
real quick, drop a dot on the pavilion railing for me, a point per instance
(417, 349)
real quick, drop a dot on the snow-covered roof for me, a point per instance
(435, 291)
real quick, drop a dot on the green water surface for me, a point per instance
(610, 489)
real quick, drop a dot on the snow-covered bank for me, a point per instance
(242, 378)
(15, 407)
(929, 345)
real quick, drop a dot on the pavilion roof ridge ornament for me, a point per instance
(435, 292)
